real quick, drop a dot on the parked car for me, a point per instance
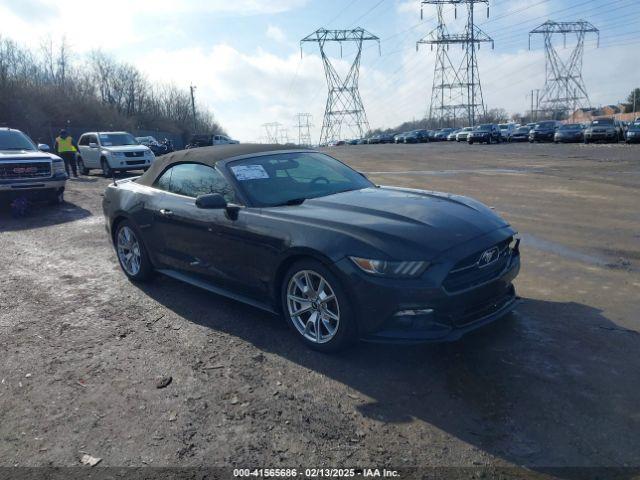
(353, 141)
(432, 135)
(112, 152)
(417, 136)
(374, 140)
(363, 141)
(569, 132)
(452, 136)
(207, 140)
(337, 256)
(633, 133)
(151, 142)
(487, 133)
(441, 135)
(603, 129)
(29, 170)
(521, 134)
(386, 138)
(507, 129)
(462, 135)
(544, 131)
(399, 138)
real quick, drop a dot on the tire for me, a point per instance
(127, 240)
(107, 171)
(470, 143)
(82, 168)
(56, 197)
(303, 325)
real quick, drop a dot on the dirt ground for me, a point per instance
(555, 384)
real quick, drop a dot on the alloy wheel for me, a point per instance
(313, 306)
(129, 251)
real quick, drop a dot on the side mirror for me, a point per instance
(43, 147)
(211, 201)
(93, 145)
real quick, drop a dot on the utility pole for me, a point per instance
(456, 91)
(304, 129)
(272, 132)
(564, 89)
(192, 88)
(344, 106)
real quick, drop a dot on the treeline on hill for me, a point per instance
(50, 88)
(494, 115)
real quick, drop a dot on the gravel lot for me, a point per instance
(555, 384)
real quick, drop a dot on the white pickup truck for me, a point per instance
(29, 170)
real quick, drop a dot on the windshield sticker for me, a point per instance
(249, 172)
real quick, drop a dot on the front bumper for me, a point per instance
(633, 138)
(541, 136)
(596, 136)
(422, 310)
(479, 138)
(51, 183)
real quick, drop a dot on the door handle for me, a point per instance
(166, 213)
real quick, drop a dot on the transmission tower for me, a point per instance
(564, 89)
(304, 129)
(344, 105)
(456, 93)
(272, 132)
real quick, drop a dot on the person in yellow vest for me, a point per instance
(66, 148)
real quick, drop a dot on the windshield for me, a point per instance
(543, 125)
(484, 128)
(289, 178)
(504, 126)
(523, 130)
(117, 139)
(634, 126)
(602, 121)
(571, 126)
(146, 140)
(13, 140)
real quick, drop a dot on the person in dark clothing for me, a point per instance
(66, 148)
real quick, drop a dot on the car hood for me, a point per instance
(25, 155)
(127, 148)
(420, 224)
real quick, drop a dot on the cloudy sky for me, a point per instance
(244, 55)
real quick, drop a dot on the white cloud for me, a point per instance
(274, 33)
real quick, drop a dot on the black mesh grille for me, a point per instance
(467, 273)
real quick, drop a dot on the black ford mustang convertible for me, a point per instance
(299, 233)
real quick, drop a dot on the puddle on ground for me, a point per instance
(571, 254)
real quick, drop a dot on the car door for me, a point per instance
(91, 152)
(202, 242)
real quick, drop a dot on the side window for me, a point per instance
(84, 140)
(164, 182)
(193, 180)
(93, 139)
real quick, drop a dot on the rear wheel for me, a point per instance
(316, 307)
(131, 252)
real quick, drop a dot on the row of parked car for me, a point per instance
(601, 129)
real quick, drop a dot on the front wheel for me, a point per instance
(316, 307)
(131, 252)
(56, 197)
(107, 171)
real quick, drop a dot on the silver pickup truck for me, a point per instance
(29, 170)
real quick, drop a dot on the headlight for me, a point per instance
(117, 154)
(409, 269)
(57, 166)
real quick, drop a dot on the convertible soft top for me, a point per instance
(207, 156)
